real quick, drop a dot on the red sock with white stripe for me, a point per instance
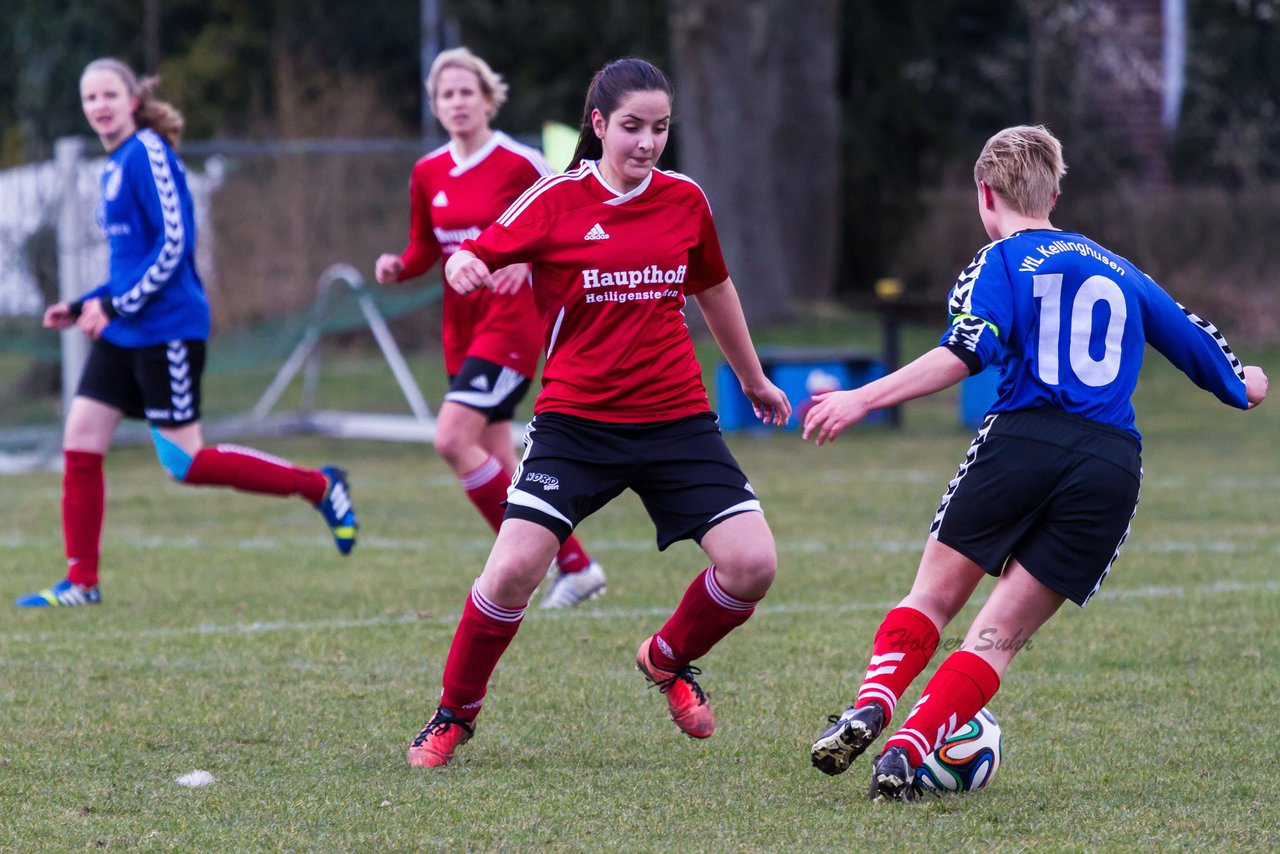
(705, 615)
(963, 684)
(83, 506)
(483, 634)
(253, 471)
(903, 645)
(486, 486)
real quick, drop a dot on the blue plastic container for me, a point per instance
(977, 393)
(801, 374)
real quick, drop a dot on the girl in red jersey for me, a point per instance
(615, 247)
(491, 342)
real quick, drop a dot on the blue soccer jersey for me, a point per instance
(148, 218)
(1068, 321)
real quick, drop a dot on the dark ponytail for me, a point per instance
(615, 81)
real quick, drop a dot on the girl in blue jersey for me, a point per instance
(149, 322)
(1045, 495)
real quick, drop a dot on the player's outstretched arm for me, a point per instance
(1255, 385)
(835, 410)
(723, 312)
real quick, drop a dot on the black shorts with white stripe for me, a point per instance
(488, 388)
(1052, 490)
(160, 383)
(682, 471)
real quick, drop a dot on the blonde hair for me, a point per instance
(1024, 165)
(491, 83)
(160, 116)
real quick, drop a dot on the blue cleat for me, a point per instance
(337, 510)
(64, 594)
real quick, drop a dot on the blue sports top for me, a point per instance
(1068, 322)
(154, 294)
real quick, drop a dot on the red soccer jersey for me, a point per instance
(610, 274)
(450, 201)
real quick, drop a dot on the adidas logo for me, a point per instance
(440, 200)
(596, 233)
(481, 382)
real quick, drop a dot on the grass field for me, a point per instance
(234, 639)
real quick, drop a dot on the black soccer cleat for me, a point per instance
(847, 737)
(892, 778)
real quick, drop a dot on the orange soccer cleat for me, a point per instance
(688, 704)
(434, 746)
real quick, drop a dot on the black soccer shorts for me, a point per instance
(1053, 490)
(160, 383)
(489, 388)
(682, 471)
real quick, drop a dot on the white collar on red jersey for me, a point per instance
(460, 165)
(620, 198)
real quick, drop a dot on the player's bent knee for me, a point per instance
(452, 447)
(173, 459)
(749, 575)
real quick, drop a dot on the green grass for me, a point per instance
(234, 639)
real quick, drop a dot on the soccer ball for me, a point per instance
(966, 760)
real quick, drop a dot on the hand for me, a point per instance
(466, 273)
(387, 268)
(1255, 385)
(833, 411)
(93, 319)
(770, 403)
(510, 279)
(58, 317)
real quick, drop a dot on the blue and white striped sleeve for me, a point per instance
(1194, 346)
(979, 308)
(154, 188)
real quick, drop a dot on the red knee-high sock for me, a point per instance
(486, 486)
(83, 505)
(904, 643)
(483, 634)
(958, 691)
(253, 471)
(572, 557)
(705, 615)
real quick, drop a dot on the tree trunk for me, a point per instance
(757, 126)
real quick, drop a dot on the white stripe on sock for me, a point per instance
(877, 692)
(495, 611)
(481, 474)
(724, 600)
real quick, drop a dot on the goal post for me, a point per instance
(419, 426)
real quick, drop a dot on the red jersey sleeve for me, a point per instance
(516, 238)
(423, 249)
(706, 261)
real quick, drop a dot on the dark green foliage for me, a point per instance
(1230, 127)
(548, 52)
(923, 86)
